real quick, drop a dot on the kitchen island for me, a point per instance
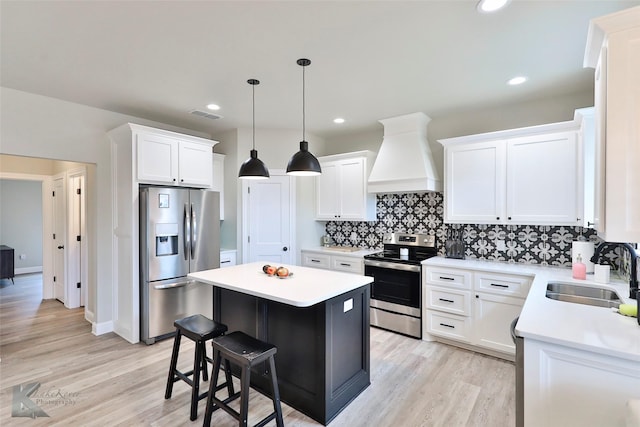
(318, 319)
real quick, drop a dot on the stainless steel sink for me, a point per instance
(579, 294)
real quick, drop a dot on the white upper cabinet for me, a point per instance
(169, 158)
(195, 162)
(341, 189)
(613, 50)
(157, 159)
(522, 176)
(544, 184)
(474, 182)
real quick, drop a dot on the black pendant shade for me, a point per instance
(303, 163)
(253, 167)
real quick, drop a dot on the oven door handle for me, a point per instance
(392, 265)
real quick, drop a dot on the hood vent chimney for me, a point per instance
(404, 163)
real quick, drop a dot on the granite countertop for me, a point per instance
(584, 327)
(306, 287)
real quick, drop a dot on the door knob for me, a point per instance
(285, 249)
(61, 247)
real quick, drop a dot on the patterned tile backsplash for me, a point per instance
(424, 213)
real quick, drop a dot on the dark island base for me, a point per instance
(322, 361)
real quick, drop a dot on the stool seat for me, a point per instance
(244, 351)
(238, 345)
(199, 327)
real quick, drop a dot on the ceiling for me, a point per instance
(369, 59)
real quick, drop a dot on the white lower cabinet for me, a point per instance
(227, 258)
(473, 308)
(492, 320)
(569, 387)
(347, 264)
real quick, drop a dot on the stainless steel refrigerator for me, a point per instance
(179, 234)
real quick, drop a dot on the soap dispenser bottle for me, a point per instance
(579, 269)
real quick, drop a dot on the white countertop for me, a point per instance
(306, 287)
(354, 254)
(580, 326)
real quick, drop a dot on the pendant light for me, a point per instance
(253, 168)
(303, 163)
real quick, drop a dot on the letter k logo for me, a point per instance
(22, 405)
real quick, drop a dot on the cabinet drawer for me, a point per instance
(227, 258)
(316, 260)
(449, 277)
(350, 265)
(449, 325)
(502, 284)
(449, 300)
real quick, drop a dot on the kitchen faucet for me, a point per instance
(633, 274)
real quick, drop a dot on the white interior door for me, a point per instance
(59, 233)
(268, 216)
(75, 244)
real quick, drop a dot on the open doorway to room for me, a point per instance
(43, 217)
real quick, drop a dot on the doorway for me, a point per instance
(64, 238)
(268, 216)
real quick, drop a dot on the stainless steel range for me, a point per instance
(396, 291)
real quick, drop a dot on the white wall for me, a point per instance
(38, 126)
(21, 222)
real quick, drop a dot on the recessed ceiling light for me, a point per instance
(338, 120)
(488, 6)
(214, 107)
(517, 81)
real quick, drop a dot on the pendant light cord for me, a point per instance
(303, 103)
(254, 116)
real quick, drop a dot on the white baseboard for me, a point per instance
(101, 328)
(27, 270)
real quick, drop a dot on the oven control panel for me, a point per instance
(426, 240)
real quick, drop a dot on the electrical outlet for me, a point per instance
(354, 235)
(500, 245)
(23, 256)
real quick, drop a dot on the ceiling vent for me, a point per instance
(205, 114)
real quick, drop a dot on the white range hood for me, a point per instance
(404, 163)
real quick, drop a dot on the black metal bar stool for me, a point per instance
(244, 351)
(199, 329)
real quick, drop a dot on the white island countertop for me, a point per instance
(585, 327)
(306, 287)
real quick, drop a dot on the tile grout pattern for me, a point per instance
(424, 213)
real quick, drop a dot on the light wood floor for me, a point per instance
(105, 381)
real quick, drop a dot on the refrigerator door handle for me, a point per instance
(174, 285)
(194, 232)
(186, 228)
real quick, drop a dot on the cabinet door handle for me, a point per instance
(315, 260)
(445, 300)
(498, 218)
(225, 262)
(447, 278)
(345, 264)
(497, 285)
(448, 326)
